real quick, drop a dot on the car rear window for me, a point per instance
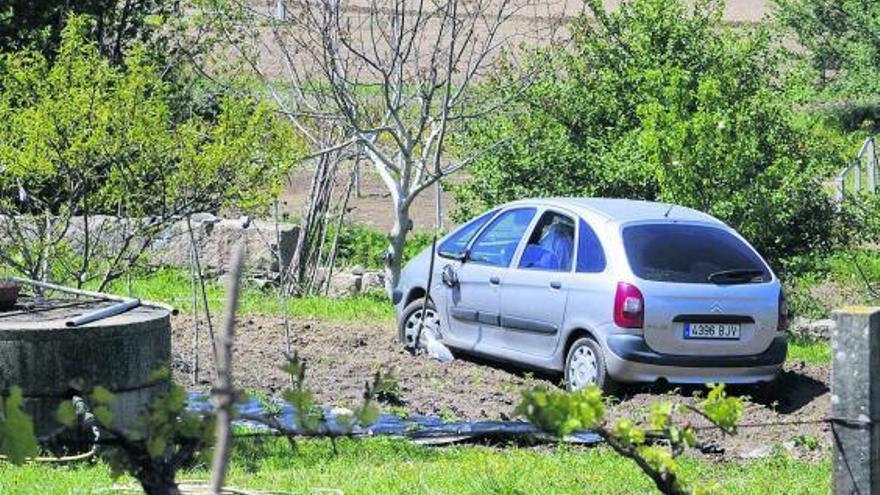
(691, 254)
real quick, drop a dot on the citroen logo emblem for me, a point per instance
(716, 307)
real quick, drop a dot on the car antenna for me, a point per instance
(666, 215)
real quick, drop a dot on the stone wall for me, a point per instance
(807, 329)
(214, 237)
(353, 281)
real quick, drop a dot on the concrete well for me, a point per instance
(48, 360)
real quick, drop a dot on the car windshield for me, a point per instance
(694, 254)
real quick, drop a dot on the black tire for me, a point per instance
(602, 380)
(413, 308)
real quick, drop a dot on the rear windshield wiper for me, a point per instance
(736, 275)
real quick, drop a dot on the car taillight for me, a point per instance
(782, 324)
(629, 306)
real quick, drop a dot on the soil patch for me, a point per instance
(341, 357)
(373, 207)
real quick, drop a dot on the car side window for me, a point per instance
(551, 245)
(497, 243)
(454, 245)
(590, 256)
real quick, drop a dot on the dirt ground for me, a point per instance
(341, 357)
(373, 207)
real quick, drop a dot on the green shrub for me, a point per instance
(816, 285)
(118, 25)
(365, 246)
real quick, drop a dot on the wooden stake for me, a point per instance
(224, 393)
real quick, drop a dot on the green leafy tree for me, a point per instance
(118, 25)
(839, 41)
(81, 139)
(635, 107)
(653, 444)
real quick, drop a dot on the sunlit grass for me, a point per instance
(173, 287)
(809, 351)
(389, 466)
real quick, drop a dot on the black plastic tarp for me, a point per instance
(421, 429)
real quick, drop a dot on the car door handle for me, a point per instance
(494, 280)
(556, 285)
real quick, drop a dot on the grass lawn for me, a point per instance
(809, 351)
(172, 286)
(385, 466)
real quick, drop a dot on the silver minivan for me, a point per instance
(603, 290)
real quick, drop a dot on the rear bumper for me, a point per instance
(631, 360)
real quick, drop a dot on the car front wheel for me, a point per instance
(411, 320)
(585, 366)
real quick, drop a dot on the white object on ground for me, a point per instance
(340, 411)
(430, 342)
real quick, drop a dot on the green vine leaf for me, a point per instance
(659, 459)
(66, 413)
(104, 416)
(156, 446)
(17, 439)
(101, 395)
(721, 409)
(561, 413)
(627, 433)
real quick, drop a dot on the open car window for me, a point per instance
(551, 245)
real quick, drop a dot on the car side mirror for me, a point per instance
(449, 276)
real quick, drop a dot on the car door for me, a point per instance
(535, 292)
(450, 254)
(473, 302)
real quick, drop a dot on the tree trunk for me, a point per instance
(158, 481)
(396, 243)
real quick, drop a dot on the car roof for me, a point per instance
(622, 210)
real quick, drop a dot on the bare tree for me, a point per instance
(392, 77)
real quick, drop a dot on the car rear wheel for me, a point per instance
(411, 319)
(585, 366)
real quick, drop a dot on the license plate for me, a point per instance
(727, 331)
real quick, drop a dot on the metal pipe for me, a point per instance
(88, 293)
(840, 187)
(100, 314)
(69, 290)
